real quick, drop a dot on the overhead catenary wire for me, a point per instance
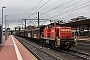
(49, 5)
(35, 7)
(58, 7)
(44, 4)
(72, 9)
(32, 23)
(39, 8)
(43, 22)
(65, 7)
(76, 9)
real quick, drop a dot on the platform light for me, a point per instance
(2, 21)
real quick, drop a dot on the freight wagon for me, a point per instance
(52, 34)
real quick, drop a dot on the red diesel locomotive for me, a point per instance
(59, 36)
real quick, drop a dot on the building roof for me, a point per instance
(77, 23)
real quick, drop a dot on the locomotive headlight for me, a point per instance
(58, 42)
(58, 39)
(75, 39)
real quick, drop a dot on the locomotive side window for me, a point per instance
(50, 26)
(57, 25)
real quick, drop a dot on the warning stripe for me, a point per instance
(19, 57)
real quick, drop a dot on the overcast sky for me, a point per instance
(49, 9)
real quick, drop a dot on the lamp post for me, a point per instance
(2, 22)
(5, 28)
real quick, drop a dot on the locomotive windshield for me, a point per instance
(52, 25)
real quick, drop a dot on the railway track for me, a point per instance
(77, 54)
(82, 47)
(38, 52)
(80, 55)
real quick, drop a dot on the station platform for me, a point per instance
(14, 50)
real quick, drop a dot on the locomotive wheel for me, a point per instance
(55, 43)
(67, 47)
(44, 42)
